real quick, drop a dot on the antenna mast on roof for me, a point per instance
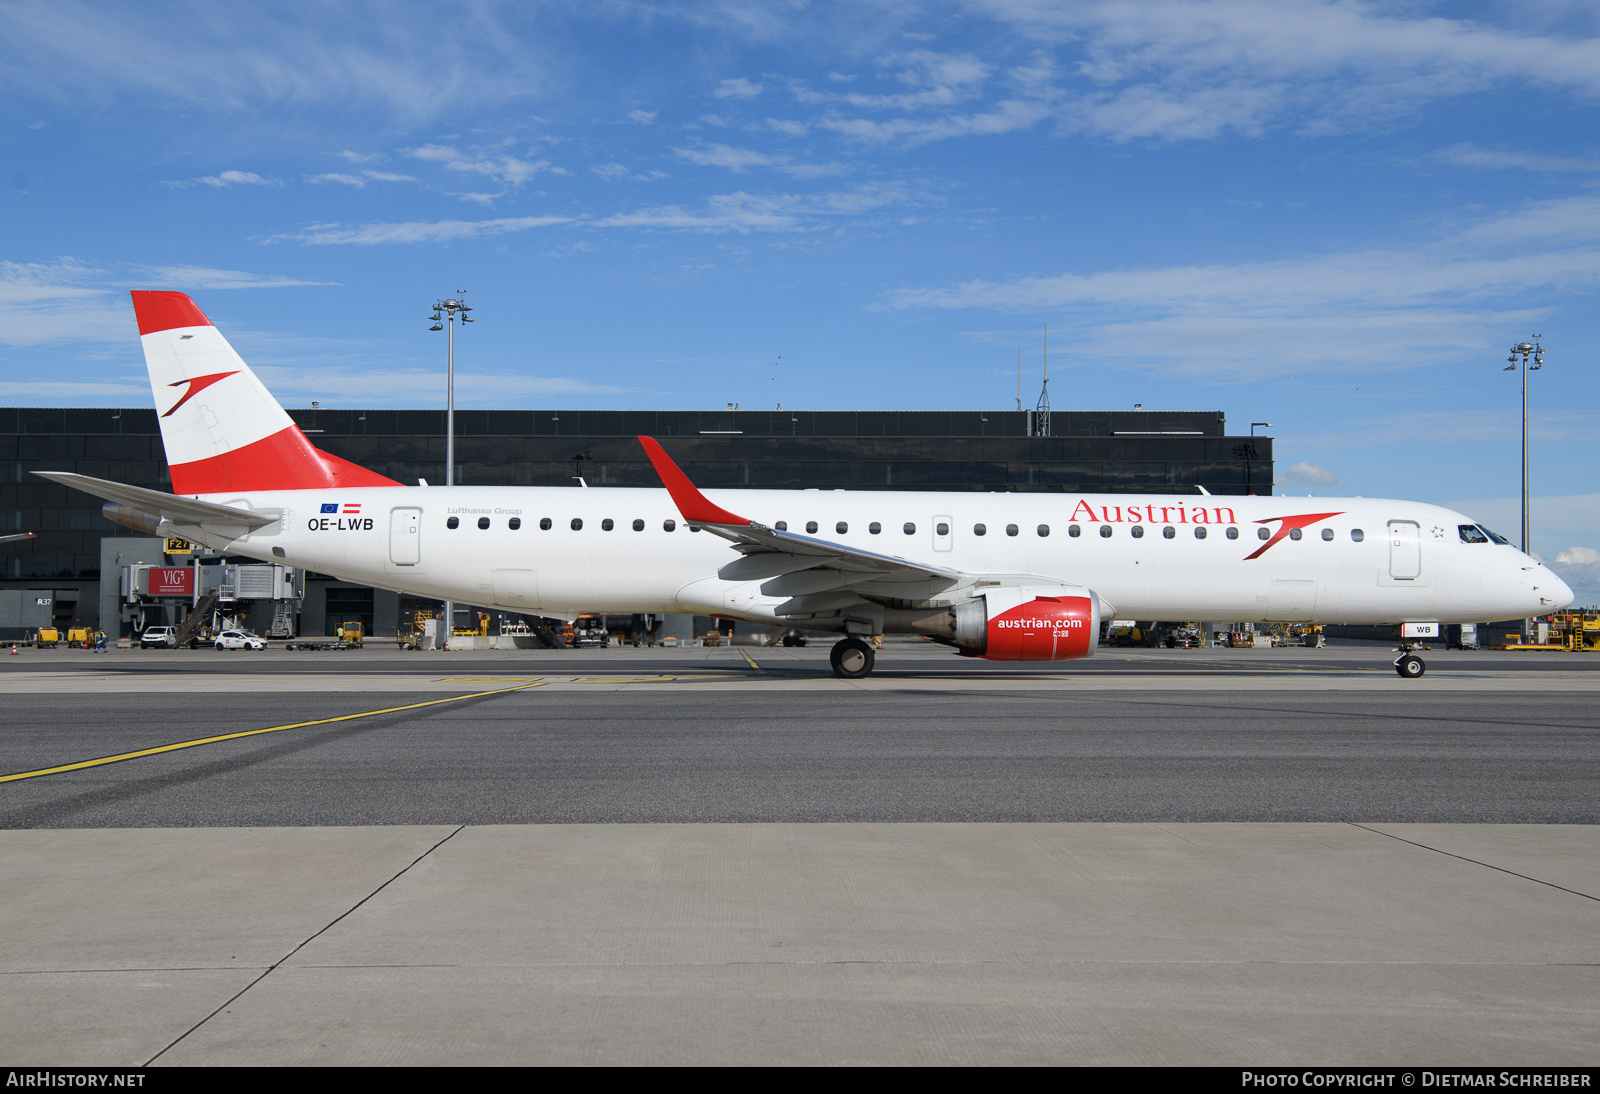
(1041, 412)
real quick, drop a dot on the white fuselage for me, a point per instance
(1409, 561)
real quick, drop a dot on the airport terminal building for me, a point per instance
(74, 571)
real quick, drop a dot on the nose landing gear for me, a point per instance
(1408, 664)
(851, 659)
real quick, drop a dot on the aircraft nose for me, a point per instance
(1554, 589)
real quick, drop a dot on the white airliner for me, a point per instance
(1012, 577)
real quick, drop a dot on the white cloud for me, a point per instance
(1579, 556)
(70, 302)
(304, 60)
(642, 117)
(506, 169)
(205, 277)
(343, 180)
(361, 180)
(224, 179)
(416, 231)
(743, 212)
(1469, 155)
(742, 160)
(611, 172)
(740, 88)
(103, 393)
(336, 384)
(1424, 303)
(44, 303)
(1311, 473)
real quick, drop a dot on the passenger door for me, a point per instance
(405, 536)
(1405, 550)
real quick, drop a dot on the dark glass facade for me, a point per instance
(1114, 452)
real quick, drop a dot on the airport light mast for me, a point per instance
(1523, 350)
(445, 311)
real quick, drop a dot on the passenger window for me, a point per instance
(1357, 535)
(544, 524)
(979, 530)
(1327, 534)
(1138, 531)
(1044, 530)
(1011, 529)
(941, 530)
(638, 526)
(577, 524)
(1470, 534)
(782, 526)
(811, 527)
(1105, 531)
(453, 522)
(1073, 531)
(841, 528)
(910, 529)
(669, 525)
(1295, 533)
(1262, 533)
(1233, 533)
(874, 528)
(514, 523)
(607, 524)
(1168, 532)
(483, 522)
(1199, 533)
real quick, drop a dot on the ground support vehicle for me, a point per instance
(239, 640)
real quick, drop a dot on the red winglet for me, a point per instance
(694, 505)
(158, 311)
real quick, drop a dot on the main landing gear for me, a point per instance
(1408, 664)
(851, 659)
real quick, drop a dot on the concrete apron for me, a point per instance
(1264, 944)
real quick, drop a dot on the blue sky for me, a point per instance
(1333, 217)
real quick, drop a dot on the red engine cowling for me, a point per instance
(1057, 623)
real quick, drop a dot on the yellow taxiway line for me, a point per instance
(80, 765)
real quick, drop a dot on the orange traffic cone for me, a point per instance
(13, 649)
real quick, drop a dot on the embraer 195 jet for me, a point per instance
(1009, 577)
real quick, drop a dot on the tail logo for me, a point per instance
(197, 384)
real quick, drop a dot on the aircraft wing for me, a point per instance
(806, 568)
(201, 519)
(16, 536)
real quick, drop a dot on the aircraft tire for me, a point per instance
(1410, 666)
(852, 659)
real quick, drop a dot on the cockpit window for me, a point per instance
(1497, 537)
(1470, 533)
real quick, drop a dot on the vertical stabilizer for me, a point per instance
(223, 431)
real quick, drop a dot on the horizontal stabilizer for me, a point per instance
(175, 510)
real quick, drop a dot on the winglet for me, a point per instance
(695, 506)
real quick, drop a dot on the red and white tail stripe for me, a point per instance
(223, 431)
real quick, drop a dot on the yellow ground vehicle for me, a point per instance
(47, 638)
(410, 637)
(79, 638)
(479, 631)
(350, 634)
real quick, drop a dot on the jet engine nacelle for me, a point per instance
(1031, 623)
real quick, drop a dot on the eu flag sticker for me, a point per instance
(330, 507)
